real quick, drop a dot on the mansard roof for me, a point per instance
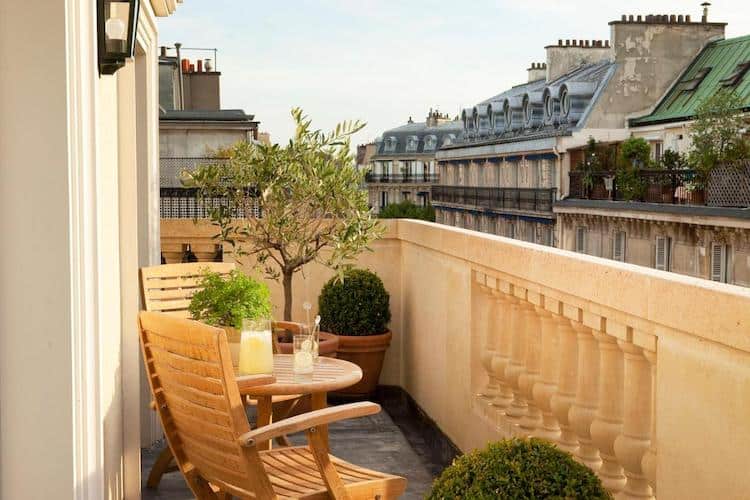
(399, 137)
(537, 109)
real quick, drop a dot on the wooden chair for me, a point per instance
(168, 288)
(193, 384)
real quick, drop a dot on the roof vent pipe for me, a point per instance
(705, 6)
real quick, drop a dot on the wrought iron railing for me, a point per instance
(184, 203)
(496, 198)
(651, 186)
(402, 178)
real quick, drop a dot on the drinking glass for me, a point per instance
(302, 345)
(256, 347)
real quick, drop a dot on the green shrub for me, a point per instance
(517, 469)
(635, 152)
(407, 210)
(356, 304)
(227, 301)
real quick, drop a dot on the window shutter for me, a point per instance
(618, 253)
(718, 262)
(581, 239)
(661, 253)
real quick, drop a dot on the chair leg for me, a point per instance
(280, 412)
(164, 463)
(201, 489)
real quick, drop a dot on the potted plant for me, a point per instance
(226, 301)
(517, 468)
(356, 307)
(309, 197)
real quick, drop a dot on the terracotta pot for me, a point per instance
(329, 344)
(368, 353)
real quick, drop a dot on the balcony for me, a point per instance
(640, 374)
(402, 178)
(495, 198)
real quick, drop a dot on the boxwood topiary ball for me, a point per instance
(356, 305)
(517, 469)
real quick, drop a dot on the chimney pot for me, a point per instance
(199, 66)
(624, 18)
(192, 68)
(606, 43)
(672, 19)
(559, 42)
(630, 18)
(567, 43)
(640, 18)
(650, 18)
(687, 18)
(680, 19)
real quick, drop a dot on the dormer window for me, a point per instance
(694, 83)
(449, 139)
(565, 102)
(390, 144)
(736, 77)
(507, 114)
(526, 109)
(411, 143)
(549, 106)
(430, 141)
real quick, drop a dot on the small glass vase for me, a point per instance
(304, 361)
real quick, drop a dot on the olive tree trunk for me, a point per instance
(286, 282)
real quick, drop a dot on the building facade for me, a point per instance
(511, 163)
(403, 166)
(706, 235)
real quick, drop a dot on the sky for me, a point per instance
(383, 61)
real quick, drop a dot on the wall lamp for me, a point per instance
(116, 25)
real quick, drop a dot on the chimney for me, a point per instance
(537, 71)
(705, 6)
(199, 66)
(564, 57)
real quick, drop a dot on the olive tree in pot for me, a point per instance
(356, 307)
(226, 301)
(302, 202)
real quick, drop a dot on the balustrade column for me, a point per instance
(501, 358)
(607, 423)
(517, 408)
(550, 367)
(631, 445)
(587, 394)
(489, 392)
(567, 383)
(648, 463)
(532, 420)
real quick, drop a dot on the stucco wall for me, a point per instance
(196, 143)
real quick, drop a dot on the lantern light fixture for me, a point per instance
(116, 26)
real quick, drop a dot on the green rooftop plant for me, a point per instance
(308, 194)
(718, 133)
(517, 469)
(407, 210)
(227, 301)
(356, 304)
(635, 152)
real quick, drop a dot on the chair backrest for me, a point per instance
(168, 288)
(193, 384)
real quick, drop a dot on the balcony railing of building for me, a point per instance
(402, 178)
(496, 198)
(640, 374)
(184, 203)
(727, 186)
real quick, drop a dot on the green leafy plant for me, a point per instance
(718, 134)
(227, 301)
(309, 197)
(635, 152)
(407, 210)
(517, 469)
(672, 160)
(356, 304)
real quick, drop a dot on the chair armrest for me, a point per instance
(246, 381)
(309, 420)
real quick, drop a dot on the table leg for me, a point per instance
(265, 410)
(319, 401)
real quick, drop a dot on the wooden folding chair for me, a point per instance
(168, 288)
(193, 384)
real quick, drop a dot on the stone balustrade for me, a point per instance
(496, 338)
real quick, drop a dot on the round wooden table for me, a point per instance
(329, 374)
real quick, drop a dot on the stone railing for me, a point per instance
(642, 375)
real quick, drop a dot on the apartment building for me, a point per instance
(511, 162)
(403, 166)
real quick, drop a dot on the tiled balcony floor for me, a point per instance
(374, 442)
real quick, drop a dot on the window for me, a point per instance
(720, 262)
(507, 114)
(411, 143)
(736, 77)
(580, 239)
(658, 150)
(531, 232)
(510, 230)
(430, 141)
(663, 258)
(564, 102)
(383, 199)
(549, 106)
(423, 198)
(619, 245)
(390, 144)
(546, 235)
(406, 195)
